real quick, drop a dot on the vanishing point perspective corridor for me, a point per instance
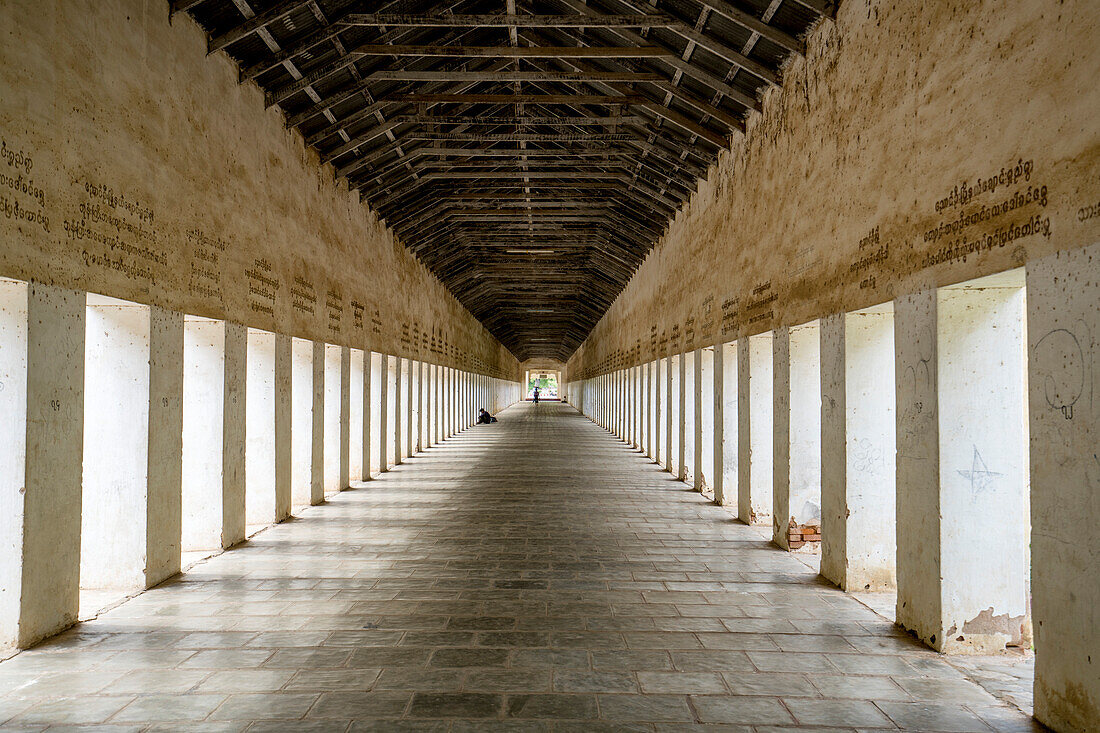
(536, 574)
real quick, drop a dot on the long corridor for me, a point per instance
(535, 574)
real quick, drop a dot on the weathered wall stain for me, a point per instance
(916, 144)
(133, 165)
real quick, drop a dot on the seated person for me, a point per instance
(484, 418)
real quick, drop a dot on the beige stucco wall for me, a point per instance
(835, 197)
(135, 166)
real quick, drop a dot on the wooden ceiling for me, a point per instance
(529, 152)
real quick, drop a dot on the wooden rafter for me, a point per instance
(527, 151)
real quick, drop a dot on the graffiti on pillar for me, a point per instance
(1063, 367)
(979, 475)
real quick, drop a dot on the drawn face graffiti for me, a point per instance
(1062, 369)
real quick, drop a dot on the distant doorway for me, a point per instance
(546, 382)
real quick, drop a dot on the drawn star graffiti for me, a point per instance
(979, 475)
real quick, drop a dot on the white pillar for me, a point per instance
(421, 439)
(356, 415)
(754, 434)
(334, 419)
(368, 412)
(796, 396)
(697, 419)
(317, 450)
(116, 455)
(165, 491)
(1063, 324)
(301, 422)
(669, 405)
(398, 426)
(965, 463)
(857, 449)
(234, 419)
(426, 412)
(203, 421)
(647, 381)
(343, 479)
(13, 452)
(383, 413)
(284, 426)
(682, 418)
(49, 590)
(718, 452)
(259, 457)
(410, 409)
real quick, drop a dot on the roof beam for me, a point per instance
(254, 24)
(463, 76)
(752, 23)
(518, 52)
(435, 20)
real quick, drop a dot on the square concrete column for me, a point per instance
(234, 420)
(284, 426)
(164, 515)
(357, 415)
(301, 421)
(368, 412)
(796, 396)
(681, 416)
(426, 395)
(383, 413)
(398, 426)
(697, 419)
(203, 421)
(658, 415)
(639, 408)
(440, 403)
(718, 452)
(669, 404)
(334, 419)
(259, 468)
(410, 409)
(1063, 325)
(116, 444)
(13, 451)
(49, 590)
(962, 468)
(345, 419)
(754, 429)
(317, 454)
(919, 606)
(647, 429)
(857, 449)
(624, 405)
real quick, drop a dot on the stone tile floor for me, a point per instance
(533, 575)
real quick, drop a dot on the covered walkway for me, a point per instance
(536, 574)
